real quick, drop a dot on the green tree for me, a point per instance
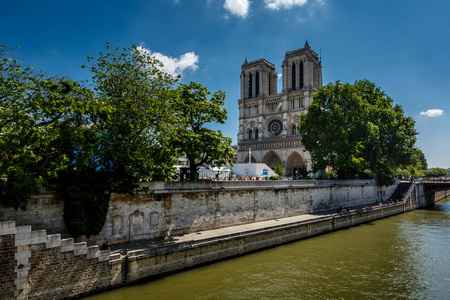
(278, 169)
(33, 109)
(122, 141)
(136, 122)
(355, 128)
(422, 160)
(201, 145)
(437, 172)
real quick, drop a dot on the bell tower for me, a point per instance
(268, 120)
(258, 79)
(302, 69)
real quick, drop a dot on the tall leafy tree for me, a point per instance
(127, 137)
(135, 123)
(195, 109)
(422, 161)
(33, 109)
(356, 129)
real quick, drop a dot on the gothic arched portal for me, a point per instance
(253, 160)
(293, 164)
(271, 159)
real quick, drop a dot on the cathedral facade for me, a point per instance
(267, 119)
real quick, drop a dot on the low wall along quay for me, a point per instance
(36, 265)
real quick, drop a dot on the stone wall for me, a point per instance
(35, 265)
(183, 207)
(44, 211)
(154, 262)
(40, 266)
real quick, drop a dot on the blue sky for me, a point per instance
(401, 46)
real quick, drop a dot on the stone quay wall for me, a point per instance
(184, 207)
(35, 265)
(151, 263)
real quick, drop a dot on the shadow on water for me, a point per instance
(443, 205)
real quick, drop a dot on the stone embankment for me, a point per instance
(40, 266)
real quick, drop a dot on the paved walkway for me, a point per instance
(226, 231)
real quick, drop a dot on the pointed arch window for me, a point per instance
(256, 133)
(250, 85)
(293, 76)
(301, 74)
(257, 84)
(294, 129)
(250, 134)
(270, 83)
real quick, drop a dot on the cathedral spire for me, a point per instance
(306, 45)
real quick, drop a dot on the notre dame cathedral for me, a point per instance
(267, 119)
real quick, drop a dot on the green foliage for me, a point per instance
(356, 129)
(436, 172)
(278, 169)
(125, 140)
(331, 175)
(87, 143)
(416, 169)
(303, 171)
(274, 177)
(422, 161)
(85, 200)
(193, 111)
(33, 109)
(136, 120)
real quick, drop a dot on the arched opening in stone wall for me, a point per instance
(301, 75)
(294, 164)
(293, 76)
(253, 160)
(271, 159)
(250, 85)
(257, 84)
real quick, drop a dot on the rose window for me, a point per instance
(275, 127)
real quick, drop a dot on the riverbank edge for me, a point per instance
(151, 263)
(98, 271)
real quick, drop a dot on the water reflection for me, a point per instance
(403, 257)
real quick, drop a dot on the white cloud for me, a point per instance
(277, 4)
(238, 8)
(280, 75)
(174, 66)
(432, 113)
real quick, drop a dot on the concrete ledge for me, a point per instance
(80, 248)
(8, 227)
(67, 245)
(104, 255)
(93, 252)
(53, 241)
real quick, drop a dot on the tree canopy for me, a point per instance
(201, 145)
(87, 141)
(34, 107)
(356, 129)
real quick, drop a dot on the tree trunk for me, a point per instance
(192, 170)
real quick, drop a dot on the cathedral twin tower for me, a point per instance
(267, 119)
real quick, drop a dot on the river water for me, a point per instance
(401, 257)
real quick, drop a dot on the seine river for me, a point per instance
(401, 257)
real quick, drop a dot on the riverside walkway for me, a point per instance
(233, 231)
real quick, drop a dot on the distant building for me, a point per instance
(267, 119)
